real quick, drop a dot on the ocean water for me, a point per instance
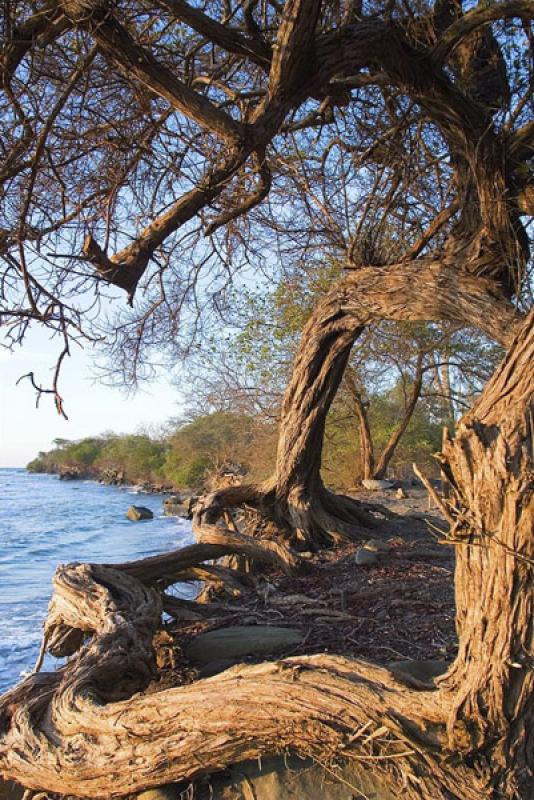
(45, 522)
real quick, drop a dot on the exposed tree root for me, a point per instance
(89, 730)
(75, 731)
(304, 518)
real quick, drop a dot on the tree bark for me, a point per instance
(89, 730)
(367, 456)
(425, 290)
(490, 464)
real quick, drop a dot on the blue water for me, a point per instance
(45, 522)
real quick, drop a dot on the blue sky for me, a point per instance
(92, 407)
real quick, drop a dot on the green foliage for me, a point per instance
(205, 443)
(138, 456)
(37, 465)
(182, 459)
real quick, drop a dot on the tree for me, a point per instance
(248, 368)
(206, 443)
(111, 110)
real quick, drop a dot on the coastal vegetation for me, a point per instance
(187, 456)
(364, 170)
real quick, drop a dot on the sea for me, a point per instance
(45, 522)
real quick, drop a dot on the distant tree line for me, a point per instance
(190, 452)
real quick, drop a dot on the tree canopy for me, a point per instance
(163, 148)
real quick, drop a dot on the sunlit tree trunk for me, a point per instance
(490, 463)
(422, 291)
(367, 456)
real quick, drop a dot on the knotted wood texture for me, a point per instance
(89, 729)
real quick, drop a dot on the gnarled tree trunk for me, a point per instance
(490, 464)
(424, 290)
(87, 730)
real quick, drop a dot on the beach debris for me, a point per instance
(376, 485)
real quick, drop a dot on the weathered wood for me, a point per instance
(490, 464)
(91, 742)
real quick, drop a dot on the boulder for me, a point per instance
(238, 641)
(376, 485)
(215, 667)
(418, 673)
(137, 513)
(293, 778)
(69, 474)
(168, 792)
(176, 506)
(173, 500)
(365, 558)
(10, 790)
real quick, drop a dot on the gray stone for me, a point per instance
(10, 790)
(173, 500)
(177, 506)
(376, 546)
(215, 667)
(365, 558)
(418, 672)
(293, 778)
(176, 510)
(377, 486)
(137, 513)
(168, 792)
(241, 640)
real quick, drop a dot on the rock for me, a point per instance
(176, 510)
(365, 558)
(376, 546)
(215, 667)
(377, 486)
(400, 494)
(10, 790)
(69, 474)
(176, 506)
(294, 778)
(415, 673)
(241, 640)
(137, 513)
(112, 476)
(168, 792)
(173, 500)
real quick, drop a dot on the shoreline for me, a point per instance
(402, 595)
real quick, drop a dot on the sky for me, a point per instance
(91, 406)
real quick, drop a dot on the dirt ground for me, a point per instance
(399, 608)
